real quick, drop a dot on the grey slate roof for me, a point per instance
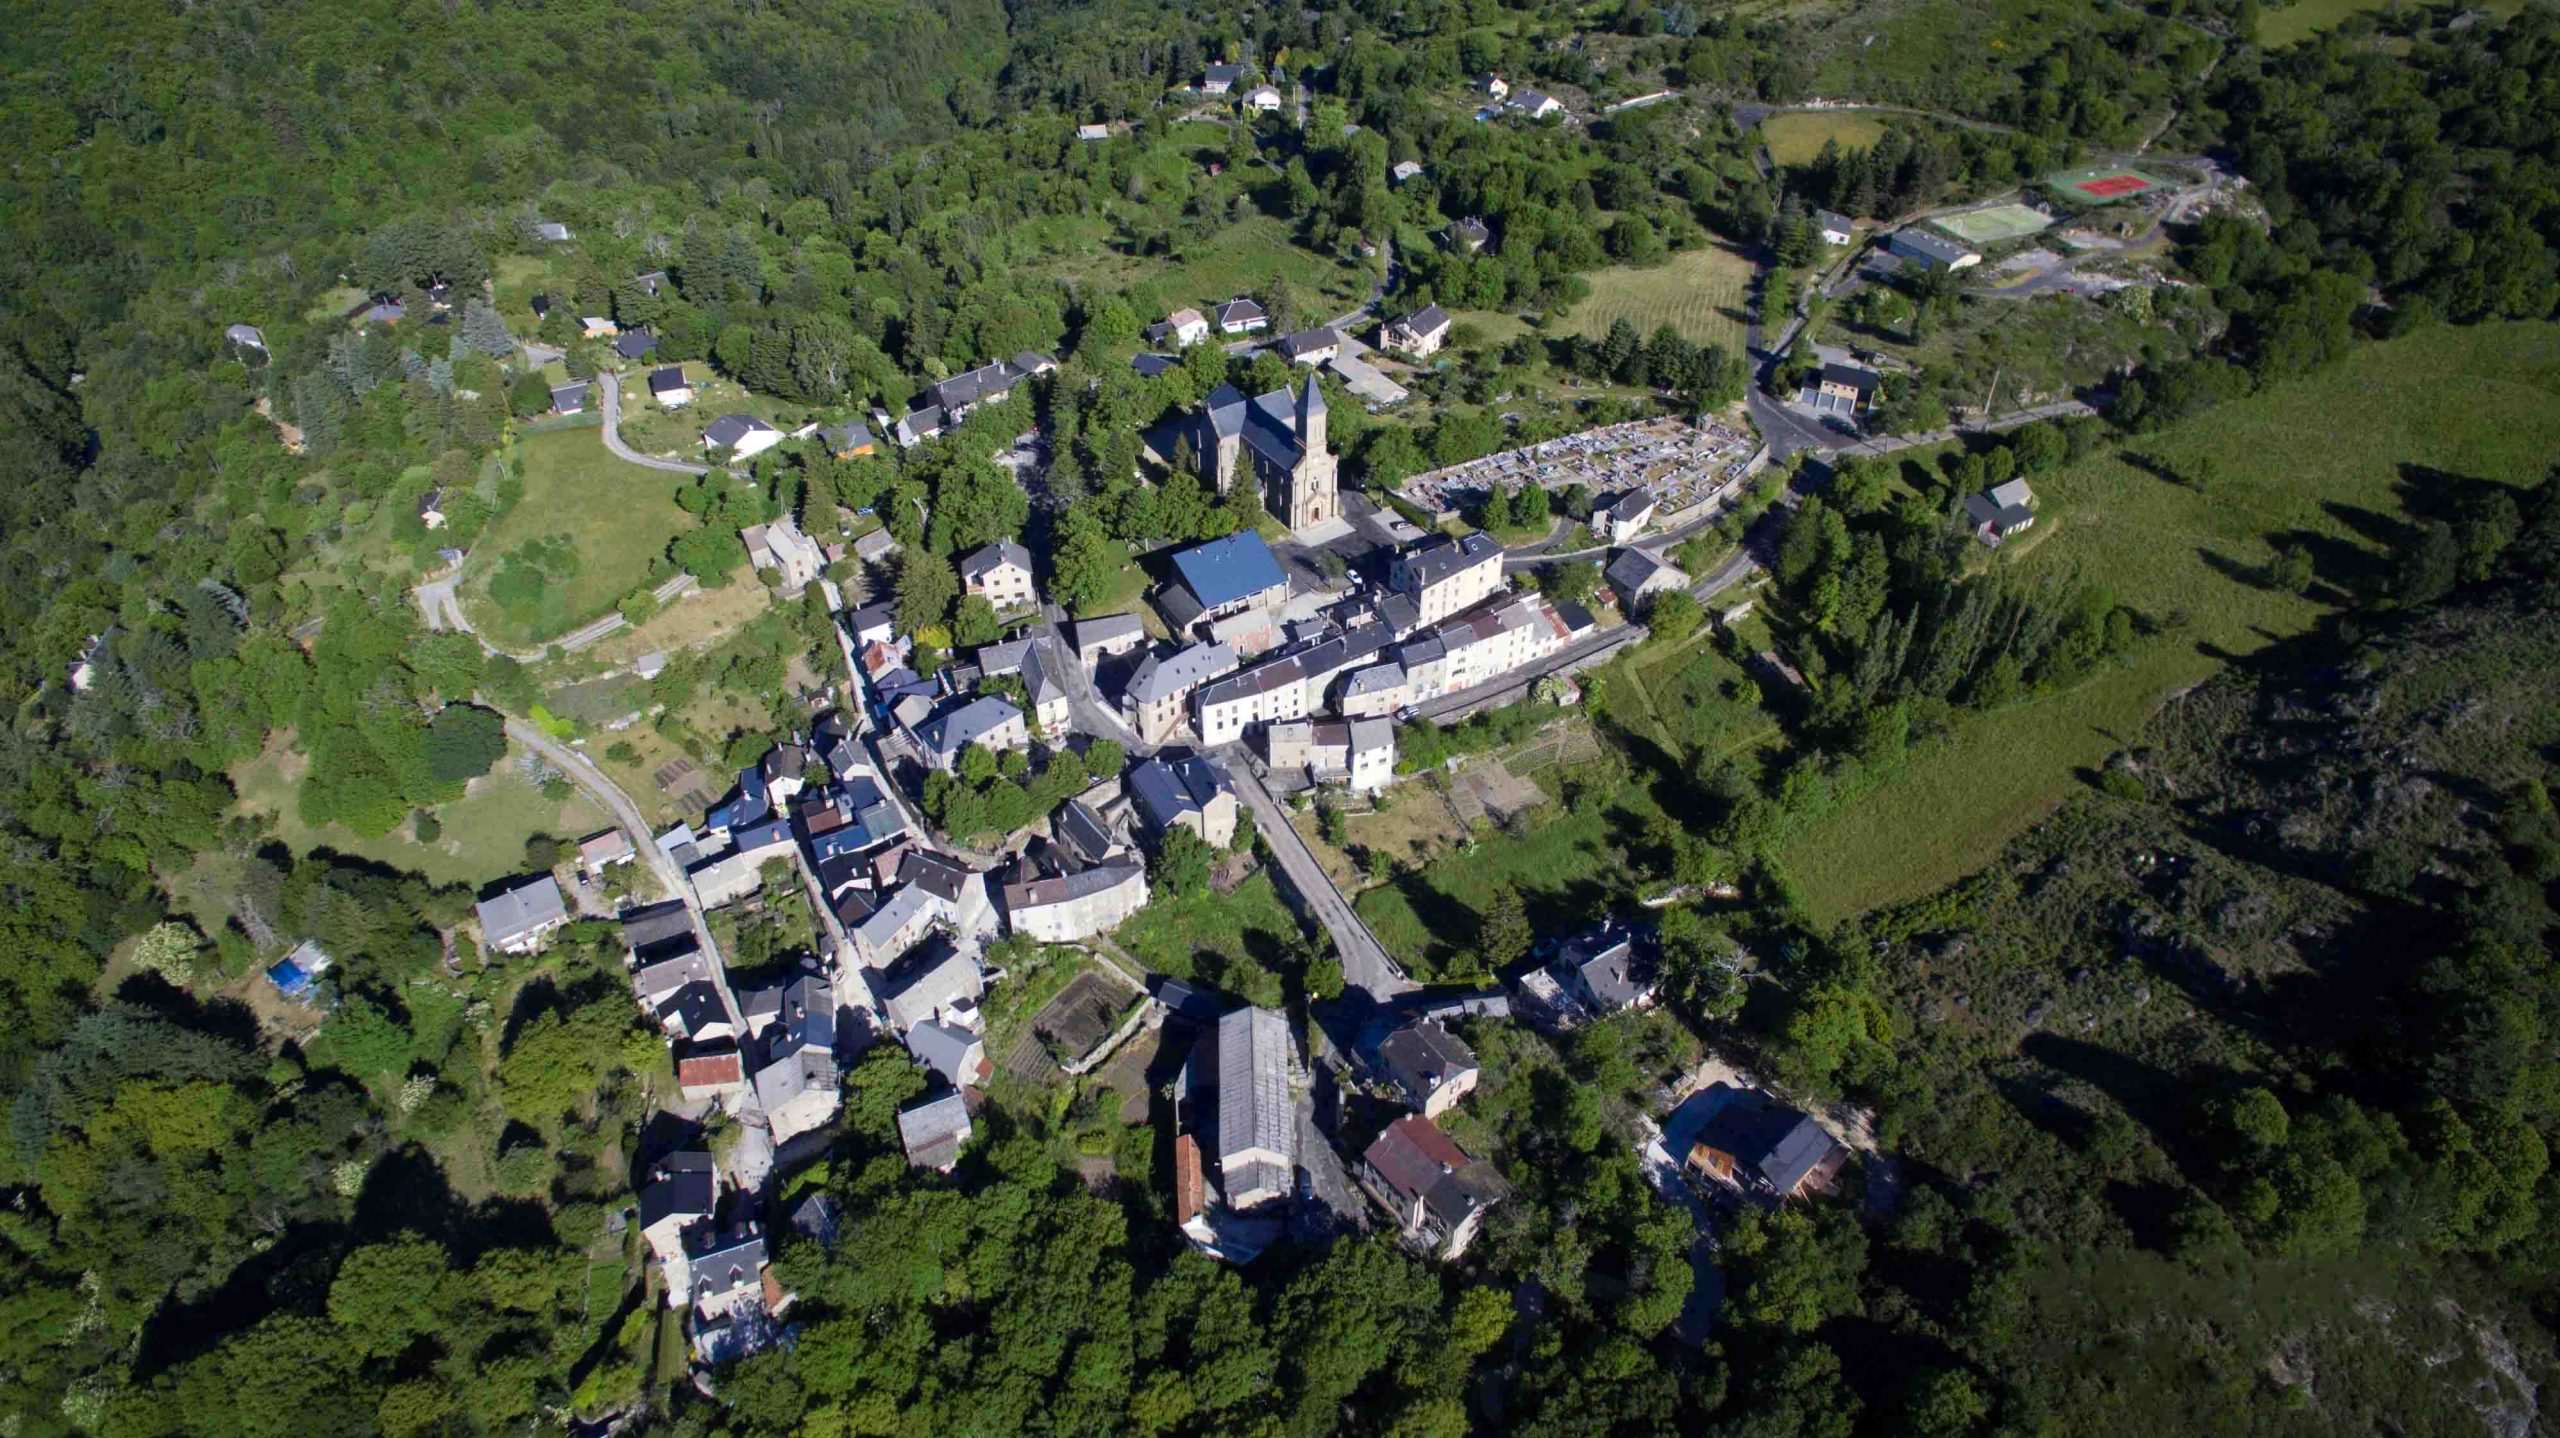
(1082, 831)
(635, 344)
(1774, 1142)
(521, 910)
(668, 380)
(1437, 559)
(683, 1188)
(944, 1048)
(1308, 341)
(728, 429)
(1831, 220)
(935, 977)
(1163, 676)
(957, 730)
(1919, 244)
(934, 1130)
(1254, 1110)
(1421, 1057)
(1003, 551)
(1107, 629)
(1165, 790)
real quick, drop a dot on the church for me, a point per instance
(1276, 441)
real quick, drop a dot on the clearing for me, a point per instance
(616, 518)
(2186, 560)
(1797, 137)
(484, 830)
(1701, 293)
(1241, 941)
(2279, 27)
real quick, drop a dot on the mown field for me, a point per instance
(483, 831)
(1798, 137)
(1704, 294)
(2278, 27)
(617, 517)
(2323, 459)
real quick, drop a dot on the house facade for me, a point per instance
(1077, 906)
(1446, 576)
(1420, 334)
(1001, 574)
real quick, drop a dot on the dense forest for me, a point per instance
(2298, 933)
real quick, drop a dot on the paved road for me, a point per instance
(612, 385)
(1525, 679)
(1083, 700)
(635, 826)
(1365, 964)
(1887, 444)
(443, 611)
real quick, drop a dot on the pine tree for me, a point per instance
(485, 330)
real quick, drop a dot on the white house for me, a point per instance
(1494, 87)
(1536, 104)
(1834, 228)
(1001, 573)
(781, 547)
(743, 435)
(670, 388)
(1242, 317)
(1420, 334)
(1263, 100)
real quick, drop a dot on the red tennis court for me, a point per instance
(2113, 187)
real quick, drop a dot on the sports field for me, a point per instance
(2101, 185)
(1797, 138)
(1701, 293)
(1994, 224)
(2186, 560)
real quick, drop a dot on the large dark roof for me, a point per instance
(1775, 1142)
(1421, 1057)
(1223, 571)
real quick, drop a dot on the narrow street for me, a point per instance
(1365, 964)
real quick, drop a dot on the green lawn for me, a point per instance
(618, 518)
(484, 830)
(1685, 698)
(1569, 865)
(1797, 138)
(2321, 456)
(1241, 942)
(2279, 27)
(1236, 259)
(1701, 293)
(1128, 583)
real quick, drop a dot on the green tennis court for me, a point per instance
(1994, 224)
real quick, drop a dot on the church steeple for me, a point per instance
(1311, 417)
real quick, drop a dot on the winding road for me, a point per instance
(611, 384)
(635, 826)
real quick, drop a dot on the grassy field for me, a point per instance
(1797, 138)
(1568, 863)
(1701, 293)
(1240, 941)
(2183, 558)
(619, 516)
(484, 831)
(1237, 259)
(2306, 18)
(1685, 699)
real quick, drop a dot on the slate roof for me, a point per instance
(728, 429)
(1253, 1106)
(1223, 571)
(1237, 311)
(1164, 791)
(513, 913)
(852, 434)
(1041, 893)
(1308, 341)
(1107, 629)
(994, 556)
(1082, 832)
(1149, 366)
(668, 380)
(1438, 559)
(943, 877)
(734, 1265)
(1605, 960)
(1422, 1058)
(934, 1130)
(1633, 505)
(1633, 568)
(946, 1049)
(1832, 220)
(684, 1188)
(1777, 1143)
(1228, 73)
(954, 731)
(934, 978)
(1427, 320)
(569, 398)
(1856, 377)
(1164, 675)
(635, 344)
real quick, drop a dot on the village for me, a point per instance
(1263, 669)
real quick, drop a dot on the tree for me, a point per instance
(1673, 615)
(927, 587)
(1084, 568)
(464, 741)
(530, 395)
(387, 1295)
(977, 623)
(1502, 930)
(1104, 758)
(1182, 865)
(1573, 583)
(484, 331)
(168, 949)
